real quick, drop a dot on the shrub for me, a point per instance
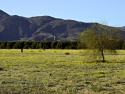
(1, 68)
(67, 53)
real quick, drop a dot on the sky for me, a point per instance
(110, 11)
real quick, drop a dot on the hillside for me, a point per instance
(39, 28)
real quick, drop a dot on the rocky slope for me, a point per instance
(40, 28)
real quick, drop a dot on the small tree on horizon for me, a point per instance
(101, 37)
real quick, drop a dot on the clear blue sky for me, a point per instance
(112, 11)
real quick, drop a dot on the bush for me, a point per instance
(67, 53)
(1, 68)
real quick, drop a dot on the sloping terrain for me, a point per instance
(39, 28)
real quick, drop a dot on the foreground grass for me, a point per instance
(60, 72)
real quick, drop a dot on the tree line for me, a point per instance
(53, 45)
(41, 45)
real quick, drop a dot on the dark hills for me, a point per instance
(3, 14)
(40, 28)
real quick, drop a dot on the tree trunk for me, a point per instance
(103, 57)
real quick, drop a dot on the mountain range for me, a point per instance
(39, 28)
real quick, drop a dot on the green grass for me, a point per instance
(60, 72)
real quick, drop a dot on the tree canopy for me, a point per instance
(101, 37)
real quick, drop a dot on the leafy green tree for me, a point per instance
(37, 45)
(73, 45)
(100, 37)
(81, 45)
(27, 45)
(53, 44)
(10, 45)
(123, 46)
(33, 46)
(16, 45)
(59, 45)
(3, 45)
(45, 45)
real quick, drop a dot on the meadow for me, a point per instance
(37, 71)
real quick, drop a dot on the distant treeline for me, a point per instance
(52, 45)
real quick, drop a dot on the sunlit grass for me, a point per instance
(55, 72)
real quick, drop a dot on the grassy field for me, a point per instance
(60, 72)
